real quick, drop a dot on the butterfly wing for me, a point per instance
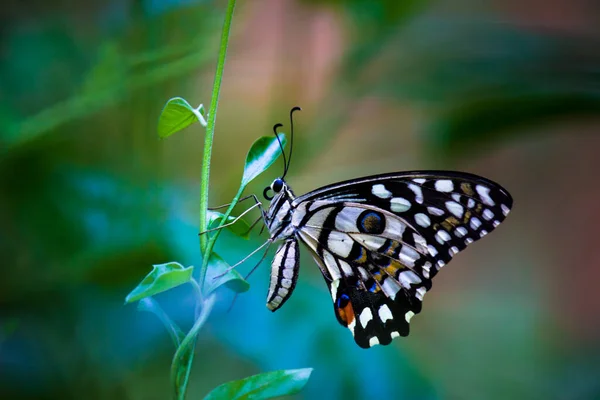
(380, 240)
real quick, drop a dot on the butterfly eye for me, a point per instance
(277, 185)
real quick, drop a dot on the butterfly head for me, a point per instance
(277, 186)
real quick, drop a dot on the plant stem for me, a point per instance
(184, 356)
(210, 131)
(186, 350)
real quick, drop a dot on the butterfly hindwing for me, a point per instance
(373, 271)
(372, 318)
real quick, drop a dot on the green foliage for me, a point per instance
(261, 155)
(219, 273)
(263, 386)
(240, 228)
(162, 277)
(178, 114)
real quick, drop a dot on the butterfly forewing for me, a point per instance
(380, 240)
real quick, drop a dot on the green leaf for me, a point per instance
(232, 279)
(162, 277)
(262, 154)
(150, 305)
(263, 386)
(241, 228)
(178, 114)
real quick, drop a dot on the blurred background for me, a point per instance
(90, 198)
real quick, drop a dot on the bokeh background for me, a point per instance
(90, 198)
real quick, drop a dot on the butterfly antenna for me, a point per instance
(285, 164)
(292, 134)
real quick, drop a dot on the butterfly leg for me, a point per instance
(267, 243)
(232, 222)
(250, 196)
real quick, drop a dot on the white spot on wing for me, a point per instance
(331, 265)
(442, 236)
(453, 250)
(461, 231)
(394, 227)
(363, 273)
(420, 181)
(385, 313)
(365, 316)
(432, 250)
(426, 269)
(418, 192)
(409, 315)
(373, 341)
(438, 212)
(346, 268)
(488, 214)
(380, 191)
(334, 288)
(407, 278)
(456, 209)
(390, 287)
(471, 203)
(475, 223)
(340, 243)
(394, 334)
(399, 204)
(505, 209)
(420, 293)
(444, 185)
(422, 220)
(484, 193)
(346, 219)
(408, 256)
(420, 242)
(369, 241)
(318, 219)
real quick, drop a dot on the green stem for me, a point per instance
(184, 356)
(210, 131)
(182, 360)
(211, 242)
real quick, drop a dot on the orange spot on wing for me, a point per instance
(346, 313)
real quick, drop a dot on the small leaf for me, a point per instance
(241, 228)
(263, 386)
(262, 154)
(162, 277)
(232, 279)
(150, 305)
(177, 115)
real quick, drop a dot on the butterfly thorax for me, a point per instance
(279, 214)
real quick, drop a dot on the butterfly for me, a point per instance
(378, 240)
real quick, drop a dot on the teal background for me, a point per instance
(90, 198)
